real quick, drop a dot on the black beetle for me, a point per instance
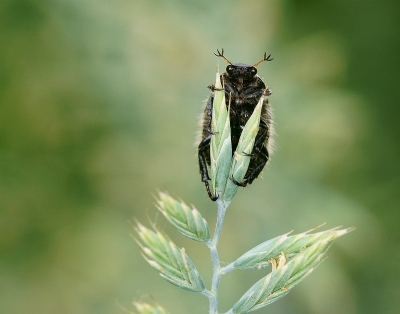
(244, 88)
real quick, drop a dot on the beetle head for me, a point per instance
(242, 71)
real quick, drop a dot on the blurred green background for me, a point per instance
(99, 103)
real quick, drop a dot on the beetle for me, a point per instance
(243, 88)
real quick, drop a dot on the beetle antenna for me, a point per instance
(221, 54)
(262, 60)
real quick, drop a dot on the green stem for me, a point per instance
(213, 298)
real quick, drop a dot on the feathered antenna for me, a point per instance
(221, 54)
(262, 60)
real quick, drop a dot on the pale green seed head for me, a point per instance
(221, 146)
(188, 221)
(307, 252)
(261, 255)
(172, 263)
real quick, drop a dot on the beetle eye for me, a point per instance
(229, 69)
(253, 71)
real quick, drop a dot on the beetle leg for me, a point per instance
(253, 94)
(261, 136)
(242, 183)
(212, 197)
(254, 172)
(256, 90)
(203, 152)
(213, 88)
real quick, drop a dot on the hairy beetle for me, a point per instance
(244, 88)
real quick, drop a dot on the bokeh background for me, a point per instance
(99, 103)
